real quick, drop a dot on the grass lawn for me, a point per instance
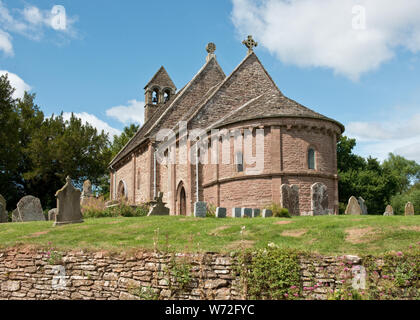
(322, 234)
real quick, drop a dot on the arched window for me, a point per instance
(239, 162)
(166, 95)
(155, 96)
(311, 159)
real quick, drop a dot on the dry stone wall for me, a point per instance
(36, 274)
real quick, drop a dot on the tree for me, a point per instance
(60, 148)
(406, 171)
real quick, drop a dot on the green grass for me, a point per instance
(324, 234)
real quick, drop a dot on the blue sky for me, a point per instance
(365, 76)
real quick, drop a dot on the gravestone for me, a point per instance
(389, 211)
(409, 209)
(51, 214)
(15, 216)
(200, 209)
(158, 206)
(362, 205)
(86, 192)
(267, 213)
(319, 199)
(246, 213)
(290, 198)
(220, 212)
(68, 205)
(236, 212)
(29, 209)
(256, 213)
(353, 207)
(3, 211)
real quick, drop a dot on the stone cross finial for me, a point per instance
(68, 179)
(250, 44)
(211, 48)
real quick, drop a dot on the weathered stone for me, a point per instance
(267, 213)
(353, 207)
(86, 192)
(256, 213)
(389, 211)
(362, 205)
(290, 198)
(220, 212)
(409, 209)
(68, 205)
(246, 213)
(3, 210)
(51, 214)
(319, 202)
(200, 209)
(29, 209)
(10, 286)
(157, 206)
(236, 212)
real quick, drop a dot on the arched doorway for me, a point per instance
(181, 200)
(121, 191)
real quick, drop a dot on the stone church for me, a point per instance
(298, 147)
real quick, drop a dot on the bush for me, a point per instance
(278, 211)
(95, 208)
(413, 195)
(211, 211)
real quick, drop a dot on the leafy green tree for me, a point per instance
(406, 171)
(412, 194)
(60, 148)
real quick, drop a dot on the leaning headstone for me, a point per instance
(220, 212)
(86, 192)
(389, 211)
(267, 213)
(409, 209)
(246, 213)
(236, 212)
(3, 212)
(319, 199)
(15, 216)
(68, 205)
(290, 198)
(157, 206)
(51, 214)
(353, 207)
(256, 213)
(29, 209)
(362, 205)
(200, 209)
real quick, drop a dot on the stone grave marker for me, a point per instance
(290, 198)
(353, 207)
(236, 212)
(409, 209)
(389, 211)
(220, 212)
(68, 205)
(246, 213)
(29, 209)
(267, 213)
(200, 209)
(87, 192)
(51, 214)
(158, 206)
(319, 199)
(362, 205)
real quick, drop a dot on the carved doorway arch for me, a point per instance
(122, 190)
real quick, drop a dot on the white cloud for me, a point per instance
(6, 43)
(380, 138)
(313, 33)
(17, 83)
(133, 112)
(94, 122)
